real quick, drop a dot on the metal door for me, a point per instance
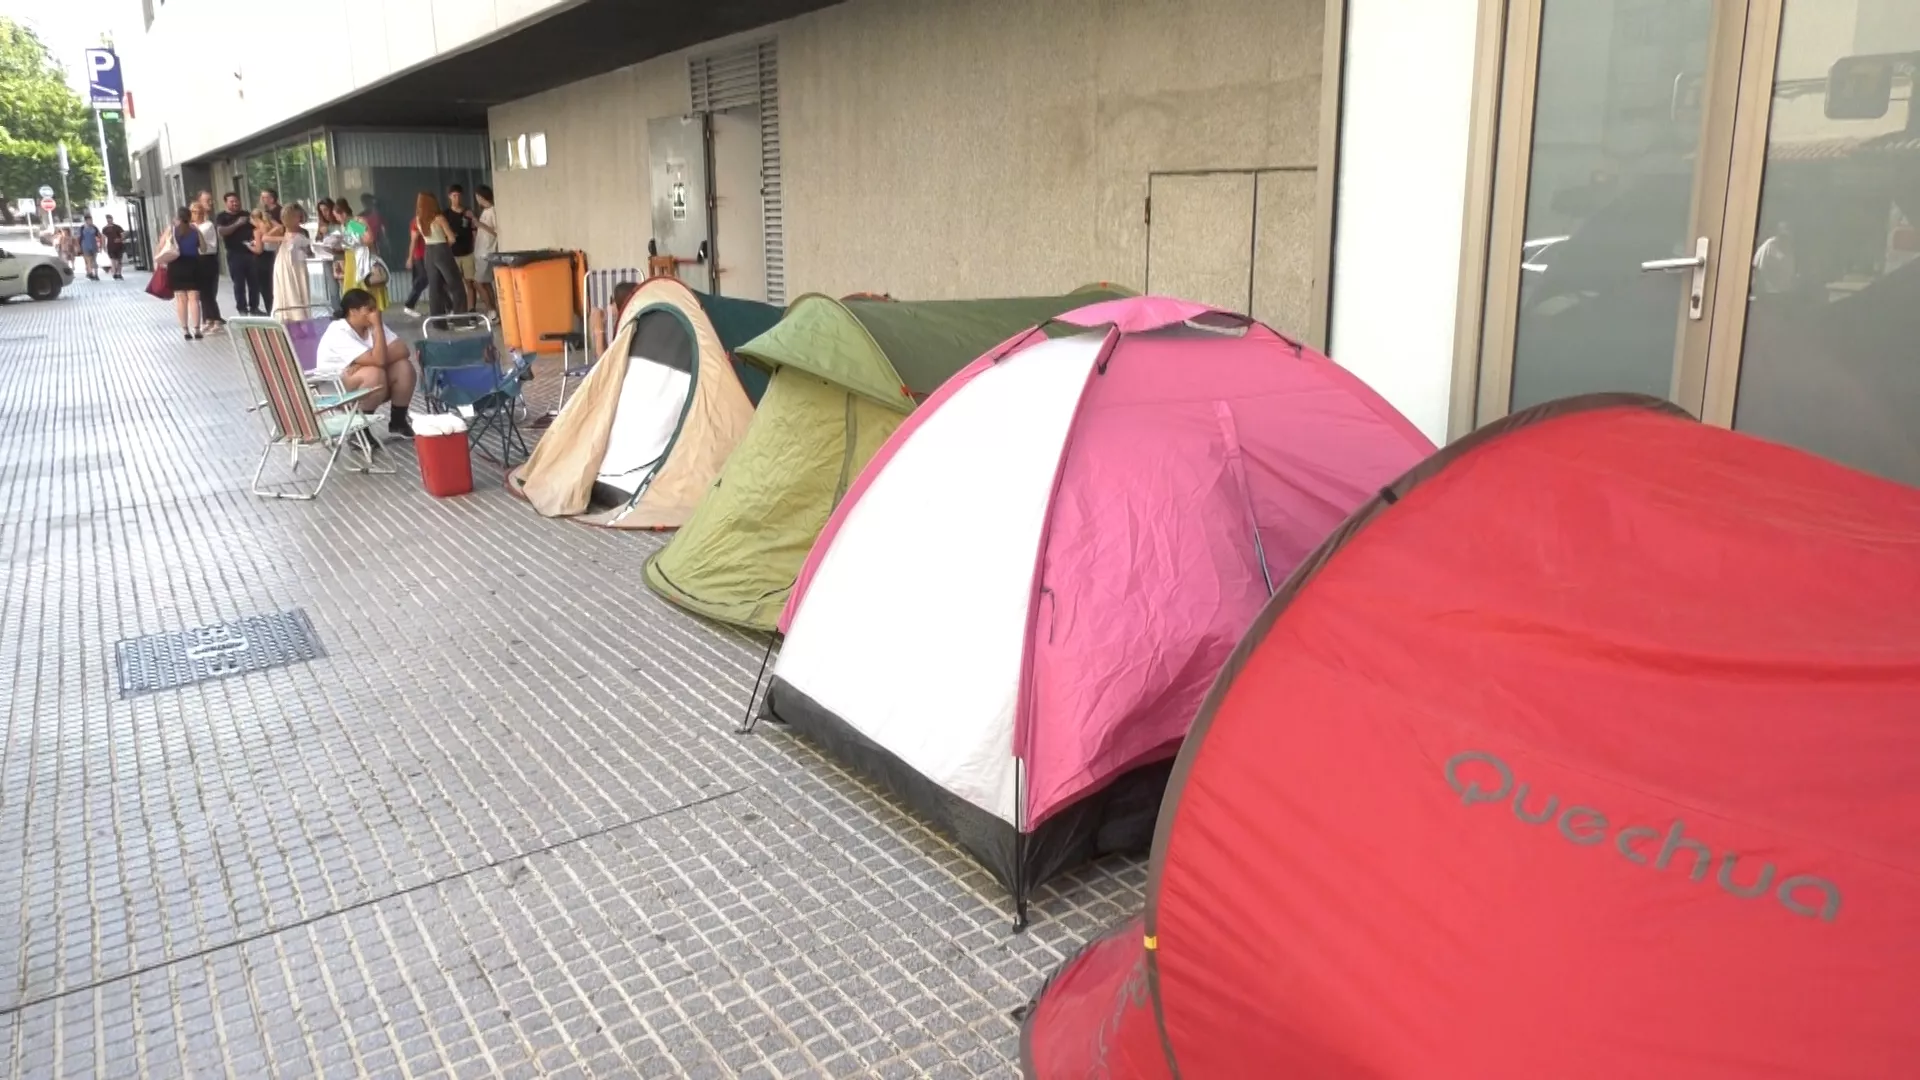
(677, 149)
(739, 222)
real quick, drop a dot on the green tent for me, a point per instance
(845, 373)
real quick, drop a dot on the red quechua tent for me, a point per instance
(1588, 749)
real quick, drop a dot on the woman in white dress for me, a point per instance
(292, 299)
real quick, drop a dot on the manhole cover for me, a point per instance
(183, 657)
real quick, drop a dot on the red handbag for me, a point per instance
(158, 286)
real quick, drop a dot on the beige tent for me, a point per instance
(641, 442)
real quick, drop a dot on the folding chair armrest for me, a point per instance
(330, 402)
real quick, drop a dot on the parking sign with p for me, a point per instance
(103, 79)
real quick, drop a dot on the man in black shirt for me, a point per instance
(236, 232)
(460, 219)
(116, 238)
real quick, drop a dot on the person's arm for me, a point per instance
(482, 223)
(375, 356)
(231, 227)
(396, 350)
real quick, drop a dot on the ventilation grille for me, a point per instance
(404, 150)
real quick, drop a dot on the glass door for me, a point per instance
(1611, 169)
(1817, 338)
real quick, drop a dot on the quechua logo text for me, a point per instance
(1483, 779)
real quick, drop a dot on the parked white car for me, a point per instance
(34, 272)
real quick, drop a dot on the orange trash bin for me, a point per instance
(538, 295)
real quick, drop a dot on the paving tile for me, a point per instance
(503, 827)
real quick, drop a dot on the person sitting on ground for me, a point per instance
(602, 337)
(364, 354)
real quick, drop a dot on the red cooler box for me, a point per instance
(446, 464)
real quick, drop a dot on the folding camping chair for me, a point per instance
(294, 412)
(306, 334)
(460, 372)
(597, 296)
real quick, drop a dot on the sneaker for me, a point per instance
(400, 429)
(411, 314)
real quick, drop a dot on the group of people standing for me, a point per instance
(268, 247)
(83, 244)
(449, 252)
(190, 254)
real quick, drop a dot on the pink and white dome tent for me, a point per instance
(1011, 618)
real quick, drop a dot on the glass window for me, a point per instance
(1616, 134)
(296, 175)
(537, 150)
(1828, 361)
(261, 173)
(322, 182)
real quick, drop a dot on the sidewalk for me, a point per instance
(502, 827)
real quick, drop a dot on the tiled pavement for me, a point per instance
(502, 829)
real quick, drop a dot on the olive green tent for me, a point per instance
(845, 373)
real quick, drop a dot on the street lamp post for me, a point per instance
(65, 198)
(106, 161)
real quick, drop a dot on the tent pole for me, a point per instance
(748, 721)
(1260, 552)
(1019, 848)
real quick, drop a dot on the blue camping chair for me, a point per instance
(460, 371)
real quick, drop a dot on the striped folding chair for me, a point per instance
(295, 413)
(596, 297)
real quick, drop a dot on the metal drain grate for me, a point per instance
(184, 657)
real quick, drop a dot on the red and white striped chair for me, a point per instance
(296, 415)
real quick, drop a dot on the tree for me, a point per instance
(37, 111)
(122, 170)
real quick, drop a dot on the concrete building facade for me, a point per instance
(937, 150)
(1473, 204)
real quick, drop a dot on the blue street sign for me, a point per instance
(103, 79)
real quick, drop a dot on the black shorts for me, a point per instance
(197, 273)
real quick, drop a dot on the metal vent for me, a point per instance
(751, 76)
(406, 150)
(184, 657)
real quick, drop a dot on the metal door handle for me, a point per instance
(1696, 262)
(1687, 263)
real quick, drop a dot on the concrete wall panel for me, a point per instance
(194, 108)
(1201, 241)
(1283, 259)
(410, 35)
(462, 22)
(944, 148)
(1407, 110)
